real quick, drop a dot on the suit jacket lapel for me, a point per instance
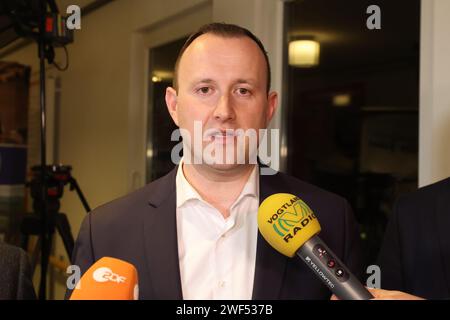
(443, 223)
(161, 240)
(270, 265)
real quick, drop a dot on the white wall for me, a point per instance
(434, 132)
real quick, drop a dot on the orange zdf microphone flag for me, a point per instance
(108, 279)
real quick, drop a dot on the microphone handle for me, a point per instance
(333, 273)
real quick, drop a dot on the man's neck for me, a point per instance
(219, 188)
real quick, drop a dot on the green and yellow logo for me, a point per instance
(286, 222)
(294, 213)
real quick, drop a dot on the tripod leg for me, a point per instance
(74, 185)
(63, 227)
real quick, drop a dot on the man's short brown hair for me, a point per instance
(223, 30)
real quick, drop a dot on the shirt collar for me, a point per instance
(186, 192)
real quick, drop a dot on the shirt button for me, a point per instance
(221, 284)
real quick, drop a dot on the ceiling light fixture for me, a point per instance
(304, 53)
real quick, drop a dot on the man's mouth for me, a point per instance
(221, 135)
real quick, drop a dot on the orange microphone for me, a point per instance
(108, 279)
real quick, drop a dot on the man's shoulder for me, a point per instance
(15, 279)
(11, 255)
(139, 200)
(416, 211)
(282, 181)
(157, 191)
(332, 210)
(433, 189)
(423, 199)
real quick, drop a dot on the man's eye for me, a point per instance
(204, 90)
(243, 91)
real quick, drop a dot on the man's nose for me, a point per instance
(224, 110)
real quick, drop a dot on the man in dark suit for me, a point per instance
(415, 255)
(15, 274)
(192, 234)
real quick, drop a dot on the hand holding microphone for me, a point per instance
(108, 279)
(291, 227)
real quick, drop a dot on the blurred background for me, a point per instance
(364, 113)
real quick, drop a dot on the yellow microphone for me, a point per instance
(290, 226)
(108, 279)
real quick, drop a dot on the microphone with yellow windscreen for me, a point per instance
(290, 226)
(108, 279)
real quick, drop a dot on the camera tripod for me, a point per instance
(45, 223)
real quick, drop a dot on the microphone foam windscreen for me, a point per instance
(286, 222)
(108, 279)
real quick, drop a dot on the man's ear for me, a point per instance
(272, 105)
(172, 102)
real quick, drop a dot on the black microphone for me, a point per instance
(291, 227)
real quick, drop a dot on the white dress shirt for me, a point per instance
(217, 255)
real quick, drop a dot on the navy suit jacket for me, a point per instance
(415, 255)
(141, 228)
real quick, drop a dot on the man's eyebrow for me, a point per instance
(249, 81)
(205, 80)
